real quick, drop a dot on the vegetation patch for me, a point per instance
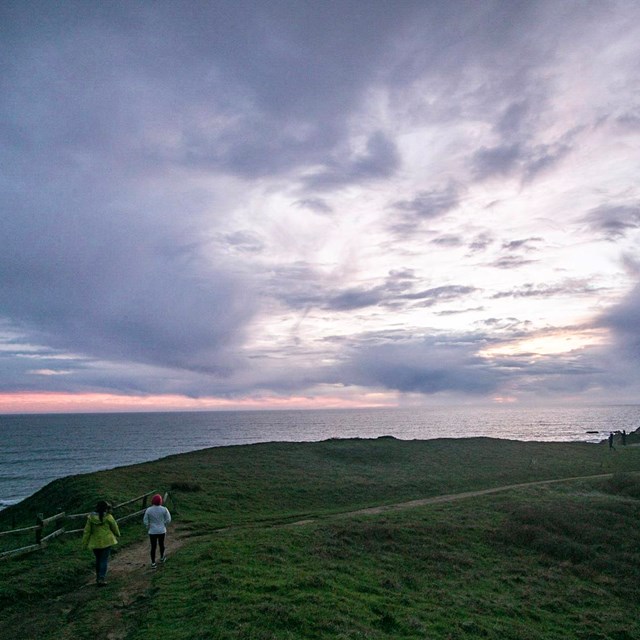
(536, 562)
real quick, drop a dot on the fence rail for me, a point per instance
(38, 529)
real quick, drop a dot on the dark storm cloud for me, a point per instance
(544, 157)
(302, 287)
(496, 161)
(614, 221)
(232, 86)
(451, 364)
(126, 298)
(518, 152)
(98, 264)
(430, 204)
(106, 250)
(380, 159)
(409, 215)
(623, 320)
(426, 366)
(517, 159)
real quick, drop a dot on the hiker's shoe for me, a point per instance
(101, 582)
(154, 565)
(163, 559)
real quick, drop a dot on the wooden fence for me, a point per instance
(61, 521)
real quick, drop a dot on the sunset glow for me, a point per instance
(101, 402)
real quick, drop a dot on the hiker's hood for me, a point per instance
(95, 518)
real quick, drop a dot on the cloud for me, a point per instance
(274, 195)
(379, 159)
(318, 205)
(524, 243)
(430, 204)
(94, 272)
(614, 220)
(303, 288)
(517, 159)
(501, 160)
(432, 296)
(511, 262)
(623, 319)
(630, 121)
(481, 242)
(448, 240)
(422, 367)
(566, 288)
(244, 241)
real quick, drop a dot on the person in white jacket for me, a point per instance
(156, 518)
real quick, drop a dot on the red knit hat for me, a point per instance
(157, 499)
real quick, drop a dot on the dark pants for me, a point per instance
(157, 539)
(102, 562)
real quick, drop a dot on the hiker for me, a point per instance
(101, 532)
(624, 437)
(611, 441)
(156, 518)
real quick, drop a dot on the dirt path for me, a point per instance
(457, 496)
(131, 578)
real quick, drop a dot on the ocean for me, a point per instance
(37, 449)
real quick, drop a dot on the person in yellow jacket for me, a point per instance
(101, 532)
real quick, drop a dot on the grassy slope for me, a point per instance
(503, 566)
(558, 566)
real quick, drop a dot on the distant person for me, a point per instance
(156, 518)
(101, 532)
(611, 440)
(624, 437)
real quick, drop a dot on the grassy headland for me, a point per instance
(546, 561)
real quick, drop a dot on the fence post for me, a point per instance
(144, 501)
(39, 519)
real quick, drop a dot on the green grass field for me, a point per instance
(548, 561)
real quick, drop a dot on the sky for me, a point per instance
(296, 204)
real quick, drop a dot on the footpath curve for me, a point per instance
(131, 578)
(450, 497)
